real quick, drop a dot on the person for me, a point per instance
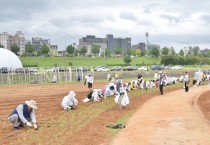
(110, 90)
(85, 80)
(116, 76)
(186, 81)
(78, 77)
(69, 101)
(94, 95)
(24, 114)
(122, 99)
(133, 85)
(139, 78)
(161, 82)
(90, 81)
(108, 77)
(155, 76)
(54, 79)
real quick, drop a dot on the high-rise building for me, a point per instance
(109, 42)
(38, 42)
(140, 46)
(8, 40)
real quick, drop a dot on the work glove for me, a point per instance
(35, 126)
(28, 124)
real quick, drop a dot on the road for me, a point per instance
(170, 119)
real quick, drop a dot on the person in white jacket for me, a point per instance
(69, 101)
(24, 114)
(122, 99)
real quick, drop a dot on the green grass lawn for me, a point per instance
(83, 61)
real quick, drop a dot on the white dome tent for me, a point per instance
(9, 59)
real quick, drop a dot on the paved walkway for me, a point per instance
(171, 119)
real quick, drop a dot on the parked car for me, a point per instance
(130, 68)
(103, 69)
(167, 67)
(81, 68)
(177, 67)
(155, 67)
(116, 68)
(143, 68)
(4, 70)
(98, 67)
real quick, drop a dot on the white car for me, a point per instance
(143, 68)
(177, 67)
(103, 69)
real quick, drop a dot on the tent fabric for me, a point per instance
(9, 59)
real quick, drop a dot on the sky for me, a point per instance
(169, 23)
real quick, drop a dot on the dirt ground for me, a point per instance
(49, 97)
(170, 119)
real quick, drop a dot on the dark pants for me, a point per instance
(90, 85)
(186, 86)
(161, 89)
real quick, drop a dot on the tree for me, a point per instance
(155, 52)
(117, 50)
(173, 53)
(1, 46)
(127, 59)
(15, 49)
(95, 49)
(129, 51)
(165, 50)
(29, 49)
(138, 52)
(195, 51)
(181, 52)
(44, 50)
(143, 53)
(83, 50)
(70, 49)
(107, 52)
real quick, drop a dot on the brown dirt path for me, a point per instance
(171, 119)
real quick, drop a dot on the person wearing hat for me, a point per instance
(90, 81)
(161, 82)
(23, 114)
(186, 81)
(69, 101)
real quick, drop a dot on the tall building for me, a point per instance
(109, 42)
(19, 40)
(8, 40)
(53, 50)
(38, 42)
(140, 46)
(5, 40)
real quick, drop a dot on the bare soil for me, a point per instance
(49, 98)
(170, 119)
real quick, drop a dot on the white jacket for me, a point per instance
(69, 100)
(123, 101)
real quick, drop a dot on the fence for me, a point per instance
(43, 75)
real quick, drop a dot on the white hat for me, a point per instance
(72, 94)
(31, 104)
(160, 72)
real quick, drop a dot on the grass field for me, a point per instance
(81, 61)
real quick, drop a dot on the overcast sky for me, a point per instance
(169, 23)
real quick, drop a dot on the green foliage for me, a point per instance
(1, 46)
(143, 53)
(166, 60)
(95, 49)
(205, 60)
(138, 52)
(127, 59)
(70, 49)
(29, 49)
(173, 53)
(181, 52)
(118, 50)
(15, 49)
(44, 50)
(165, 50)
(129, 51)
(83, 50)
(107, 52)
(155, 52)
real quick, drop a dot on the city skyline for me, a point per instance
(169, 23)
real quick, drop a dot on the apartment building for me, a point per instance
(109, 42)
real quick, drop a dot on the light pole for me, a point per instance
(74, 44)
(147, 35)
